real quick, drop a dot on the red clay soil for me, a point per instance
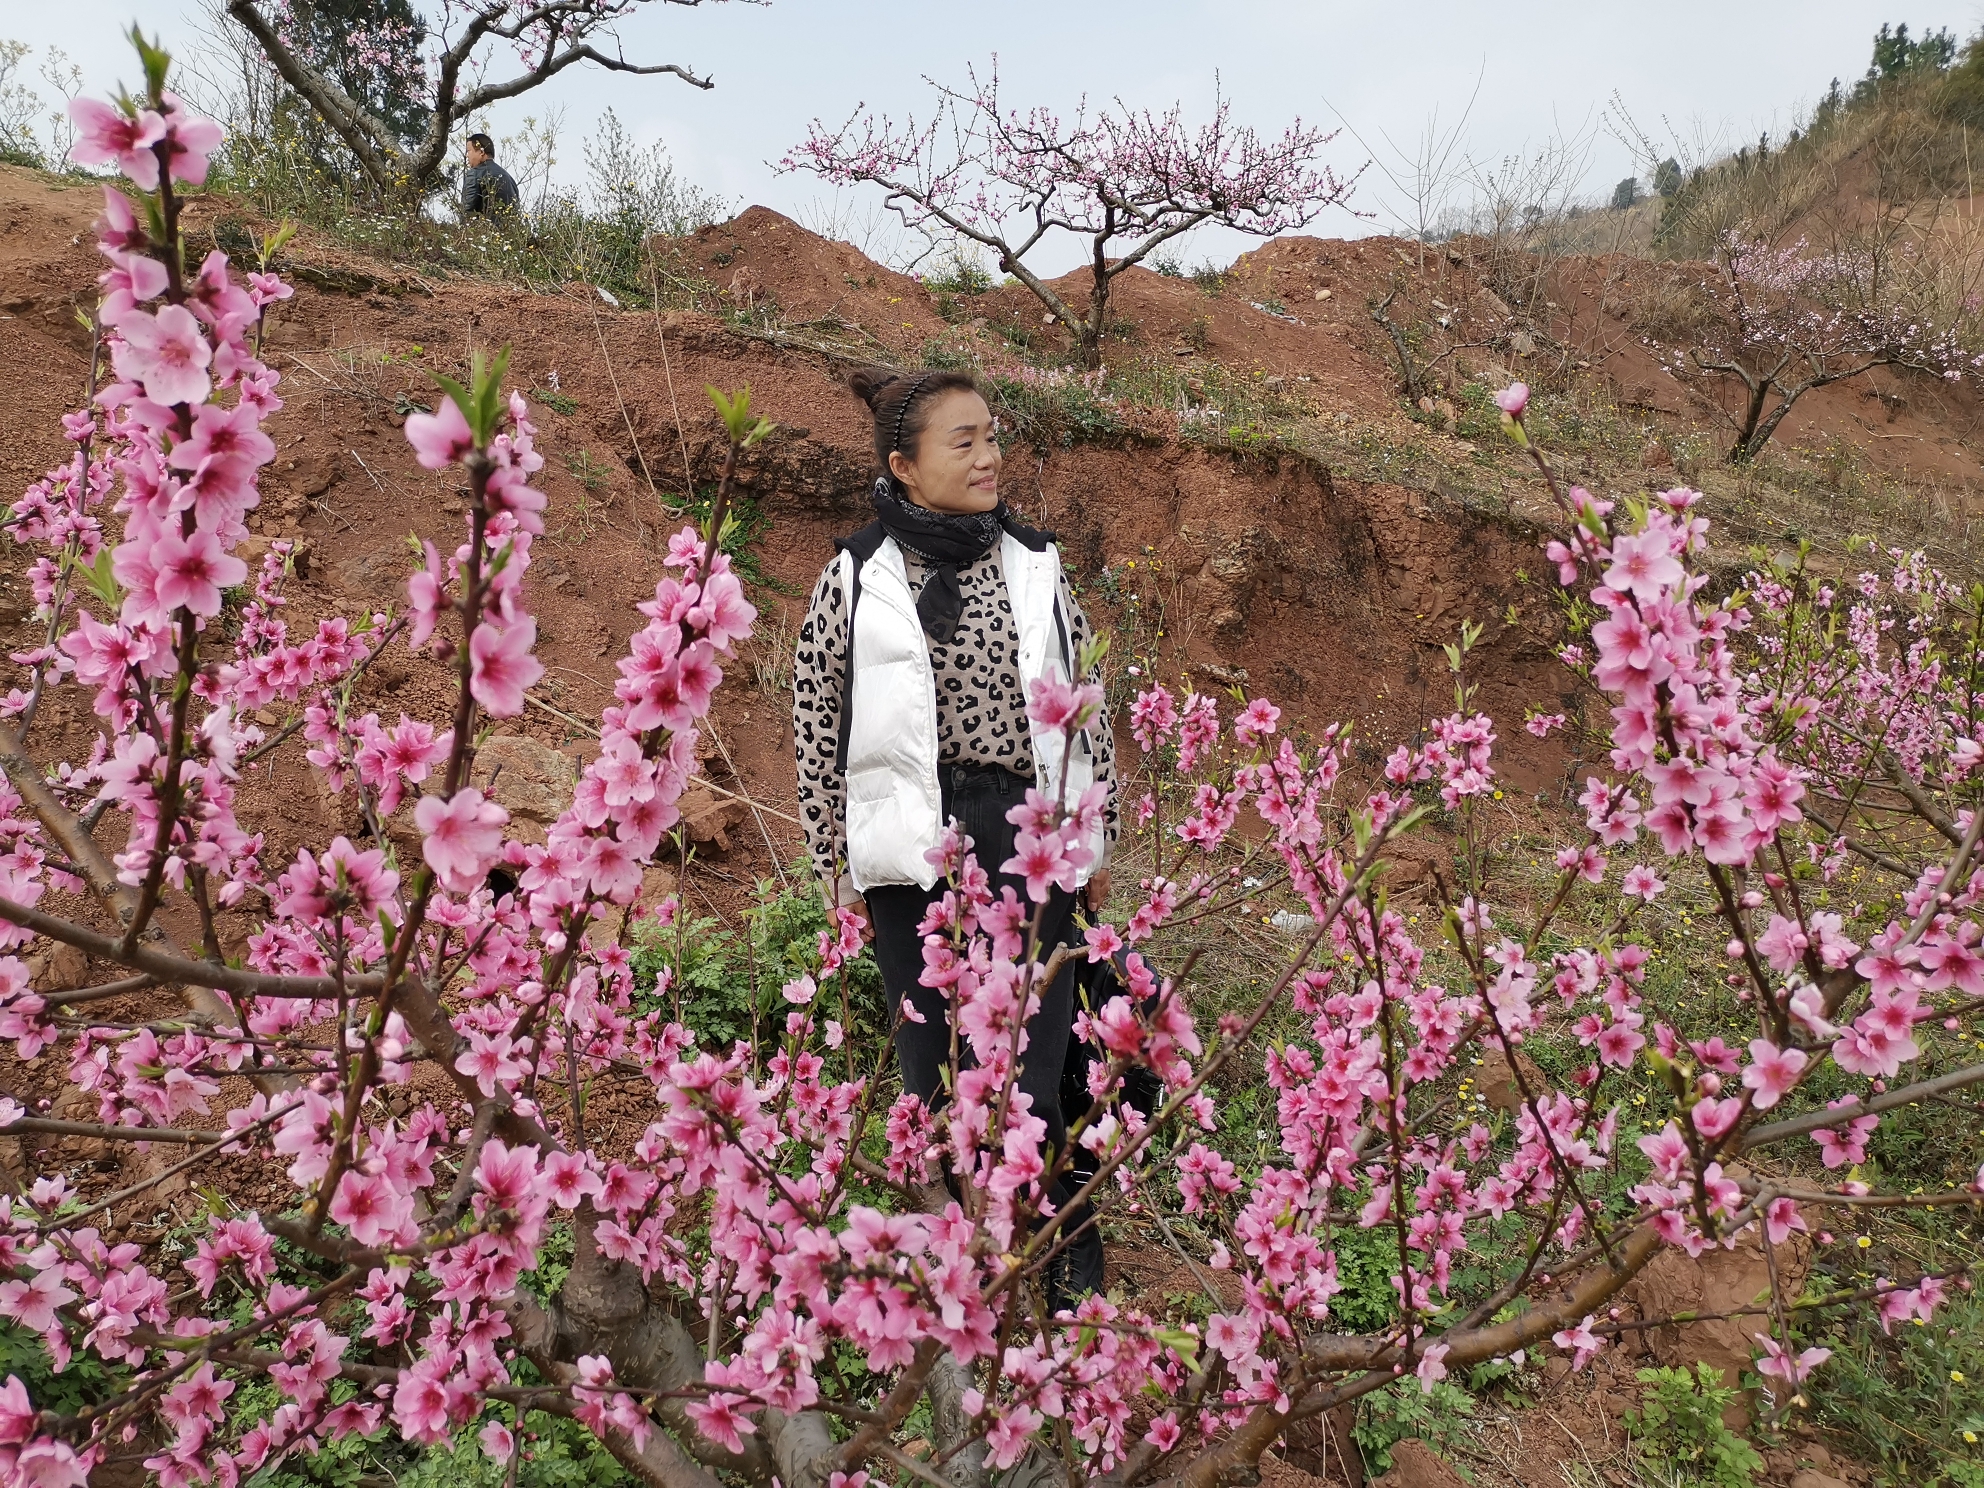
(762, 258)
(1330, 596)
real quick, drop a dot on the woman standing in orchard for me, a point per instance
(910, 689)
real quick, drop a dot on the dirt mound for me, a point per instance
(1604, 311)
(760, 259)
(1296, 317)
(1718, 1283)
(1274, 573)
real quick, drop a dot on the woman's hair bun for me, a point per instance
(869, 382)
(900, 403)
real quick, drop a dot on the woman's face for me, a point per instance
(956, 467)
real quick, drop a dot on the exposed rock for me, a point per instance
(1275, 1473)
(1324, 1447)
(1233, 572)
(708, 819)
(72, 1104)
(531, 780)
(658, 881)
(1795, 1459)
(1419, 863)
(311, 473)
(1415, 1466)
(1811, 1478)
(55, 967)
(1720, 1281)
(253, 548)
(1498, 1083)
(379, 573)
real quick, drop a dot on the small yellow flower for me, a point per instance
(1863, 1242)
(1957, 1375)
(1970, 1438)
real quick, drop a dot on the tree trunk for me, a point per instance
(1408, 380)
(346, 118)
(1088, 334)
(1760, 429)
(1748, 442)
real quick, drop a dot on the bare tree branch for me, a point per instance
(176, 969)
(559, 32)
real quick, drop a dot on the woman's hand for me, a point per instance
(858, 907)
(1095, 893)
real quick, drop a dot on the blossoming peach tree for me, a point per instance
(1776, 321)
(777, 1269)
(1129, 182)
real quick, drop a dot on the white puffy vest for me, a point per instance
(894, 804)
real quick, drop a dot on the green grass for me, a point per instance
(587, 471)
(1679, 1434)
(727, 985)
(1909, 1400)
(744, 528)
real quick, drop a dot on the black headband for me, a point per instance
(902, 409)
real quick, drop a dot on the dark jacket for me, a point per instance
(487, 188)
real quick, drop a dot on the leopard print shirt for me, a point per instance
(981, 708)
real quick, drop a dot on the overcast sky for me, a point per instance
(1703, 70)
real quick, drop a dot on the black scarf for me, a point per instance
(945, 541)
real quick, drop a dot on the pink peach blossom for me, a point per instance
(166, 352)
(193, 570)
(463, 837)
(441, 438)
(106, 135)
(503, 666)
(1772, 1072)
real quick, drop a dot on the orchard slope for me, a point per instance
(399, 1018)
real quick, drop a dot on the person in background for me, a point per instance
(486, 187)
(909, 710)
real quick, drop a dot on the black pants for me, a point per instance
(979, 796)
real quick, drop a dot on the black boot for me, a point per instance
(1076, 1272)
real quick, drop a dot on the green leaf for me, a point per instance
(489, 395)
(481, 402)
(98, 579)
(271, 243)
(463, 399)
(740, 425)
(1181, 1343)
(155, 60)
